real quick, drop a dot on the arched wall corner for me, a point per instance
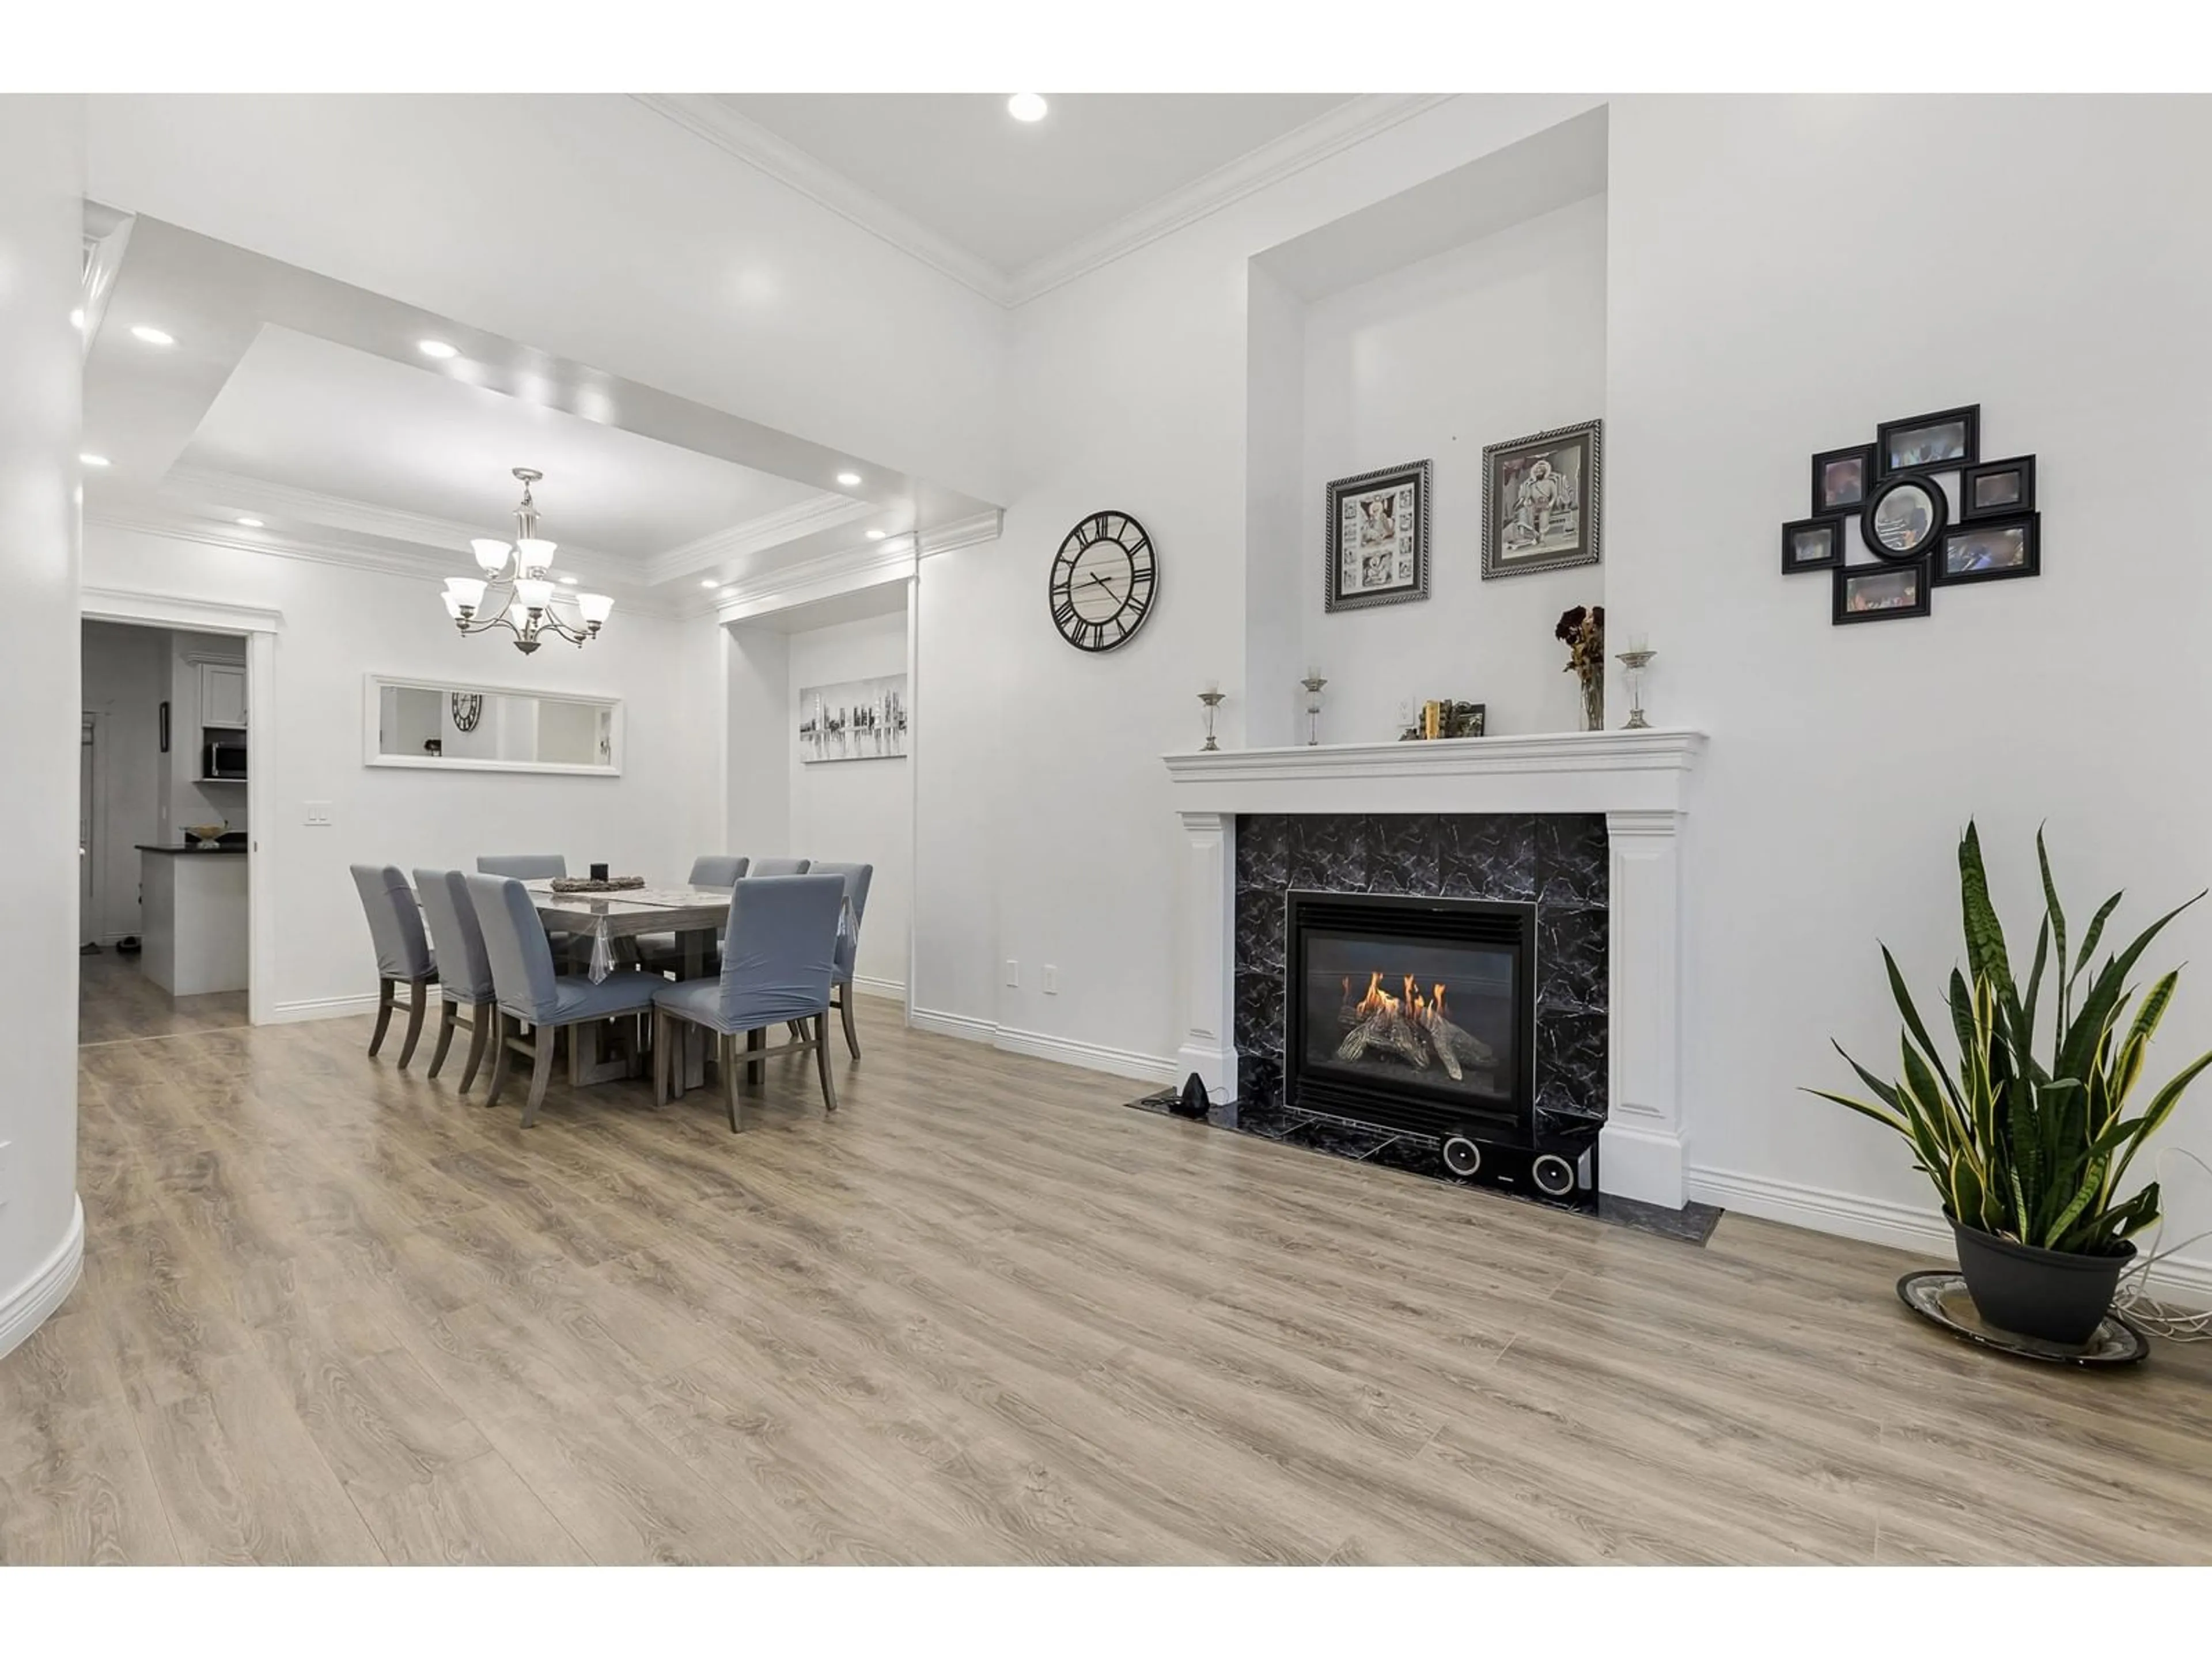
(25, 1308)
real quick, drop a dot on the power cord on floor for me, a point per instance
(2159, 1318)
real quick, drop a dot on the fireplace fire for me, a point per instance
(1413, 1013)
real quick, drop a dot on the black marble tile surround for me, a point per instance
(1557, 859)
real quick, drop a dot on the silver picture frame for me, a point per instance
(1385, 559)
(1523, 504)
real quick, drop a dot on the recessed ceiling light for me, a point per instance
(152, 335)
(251, 524)
(77, 318)
(566, 581)
(1026, 106)
(93, 460)
(709, 582)
(436, 349)
(848, 479)
(877, 535)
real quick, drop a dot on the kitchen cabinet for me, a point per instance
(222, 694)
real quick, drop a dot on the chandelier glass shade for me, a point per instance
(516, 590)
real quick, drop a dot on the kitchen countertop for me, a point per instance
(238, 850)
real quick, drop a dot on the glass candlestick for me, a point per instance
(1212, 700)
(1635, 661)
(1313, 683)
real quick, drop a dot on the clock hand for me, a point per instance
(1100, 580)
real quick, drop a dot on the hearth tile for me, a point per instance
(1402, 852)
(1570, 957)
(1263, 851)
(1570, 1052)
(1493, 856)
(1260, 930)
(1329, 852)
(1571, 858)
(1259, 1010)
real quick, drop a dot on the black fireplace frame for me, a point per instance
(1409, 1104)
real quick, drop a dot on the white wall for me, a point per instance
(1485, 344)
(127, 680)
(1746, 333)
(41, 250)
(857, 811)
(341, 624)
(757, 693)
(526, 216)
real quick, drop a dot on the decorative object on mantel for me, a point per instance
(2028, 1155)
(1582, 629)
(1542, 497)
(519, 579)
(1923, 539)
(1313, 683)
(1213, 696)
(1103, 582)
(596, 884)
(1377, 549)
(1637, 659)
(1444, 717)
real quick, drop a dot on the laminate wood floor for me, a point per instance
(116, 1002)
(333, 1312)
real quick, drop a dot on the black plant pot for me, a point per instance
(2052, 1294)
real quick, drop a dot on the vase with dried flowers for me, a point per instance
(1583, 629)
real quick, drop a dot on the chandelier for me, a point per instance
(516, 590)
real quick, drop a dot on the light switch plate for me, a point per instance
(317, 814)
(1013, 975)
(1051, 981)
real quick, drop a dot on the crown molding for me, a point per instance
(427, 566)
(708, 118)
(962, 532)
(1335, 131)
(824, 576)
(1326, 134)
(770, 531)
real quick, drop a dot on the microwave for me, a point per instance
(223, 757)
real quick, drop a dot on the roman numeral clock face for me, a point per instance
(1104, 579)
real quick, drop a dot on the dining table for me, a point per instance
(692, 914)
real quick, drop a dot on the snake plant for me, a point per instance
(2030, 1149)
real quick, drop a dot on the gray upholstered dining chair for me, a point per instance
(858, 879)
(777, 867)
(659, 952)
(395, 925)
(779, 951)
(464, 969)
(526, 990)
(523, 866)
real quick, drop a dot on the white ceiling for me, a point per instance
(308, 414)
(1012, 194)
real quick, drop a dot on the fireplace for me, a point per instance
(1414, 1013)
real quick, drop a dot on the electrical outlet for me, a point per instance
(1013, 975)
(319, 815)
(1051, 981)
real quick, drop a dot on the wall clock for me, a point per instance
(1104, 579)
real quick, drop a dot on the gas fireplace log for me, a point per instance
(1461, 1045)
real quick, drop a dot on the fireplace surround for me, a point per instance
(1612, 806)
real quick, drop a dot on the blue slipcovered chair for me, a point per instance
(858, 879)
(523, 866)
(464, 967)
(778, 955)
(526, 991)
(776, 867)
(395, 926)
(659, 951)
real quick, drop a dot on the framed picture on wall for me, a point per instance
(1997, 490)
(1944, 441)
(1378, 537)
(1880, 593)
(853, 719)
(1841, 478)
(1812, 544)
(1542, 496)
(1990, 549)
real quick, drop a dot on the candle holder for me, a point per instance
(1635, 662)
(1313, 683)
(1212, 700)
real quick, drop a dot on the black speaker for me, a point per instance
(1568, 1176)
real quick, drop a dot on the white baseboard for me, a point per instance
(1091, 1056)
(868, 986)
(24, 1309)
(1879, 1221)
(291, 1013)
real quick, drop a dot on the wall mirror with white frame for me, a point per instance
(447, 726)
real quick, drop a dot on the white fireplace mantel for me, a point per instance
(1640, 780)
